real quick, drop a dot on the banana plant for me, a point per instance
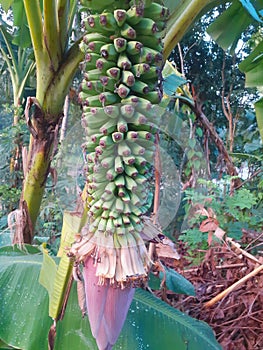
(56, 62)
(117, 196)
(16, 50)
(123, 57)
(20, 66)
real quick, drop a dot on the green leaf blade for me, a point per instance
(153, 324)
(24, 321)
(23, 303)
(227, 28)
(177, 283)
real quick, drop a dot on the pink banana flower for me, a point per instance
(107, 306)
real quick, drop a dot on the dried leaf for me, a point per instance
(219, 233)
(52, 336)
(210, 238)
(167, 249)
(209, 224)
(211, 213)
(203, 212)
(81, 297)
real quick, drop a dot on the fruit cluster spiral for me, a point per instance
(121, 83)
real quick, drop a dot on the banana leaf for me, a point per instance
(24, 321)
(3, 346)
(227, 29)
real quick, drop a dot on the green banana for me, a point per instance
(103, 64)
(123, 91)
(128, 32)
(154, 42)
(119, 181)
(140, 87)
(156, 12)
(127, 111)
(124, 149)
(146, 26)
(120, 44)
(123, 61)
(134, 48)
(120, 17)
(90, 37)
(122, 125)
(128, 78)
(118, 165)
(108, 98)
(112, 111)
(108, 52)
(114, 73)
(117, 136)
(129, 160)
(135, 14)
(108, 127)
(122, 65)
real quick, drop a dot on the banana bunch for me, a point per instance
(121, 83)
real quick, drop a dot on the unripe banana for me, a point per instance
(146, 26)
(152, 41)
(109, 52)
(123, 61)
(134, 47)
(134, 14)
(120, 17)
(156, 12)
(123, 53)
(120, 44)
(128, 32)
(90, 37)
(118, 165)
(128, 78)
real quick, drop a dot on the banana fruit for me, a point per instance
(121, 83)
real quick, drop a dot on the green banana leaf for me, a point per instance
(227, 29)
(56, 278)
(3, 346)
(24, 321)
(172, 79)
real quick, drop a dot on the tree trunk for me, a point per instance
(43, 138)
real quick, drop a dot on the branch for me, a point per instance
(181, 58)
(256, 173)
(214, 135)
(226, 113)
(233, 287)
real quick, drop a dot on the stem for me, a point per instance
(42, 140)
(63, 11)
(51, 37)
(180, 22)
(64, 124)
(34, 18)
(34, 184)
(59, 86)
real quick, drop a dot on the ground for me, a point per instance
(237, 319)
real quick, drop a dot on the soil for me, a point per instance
(237, 319)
